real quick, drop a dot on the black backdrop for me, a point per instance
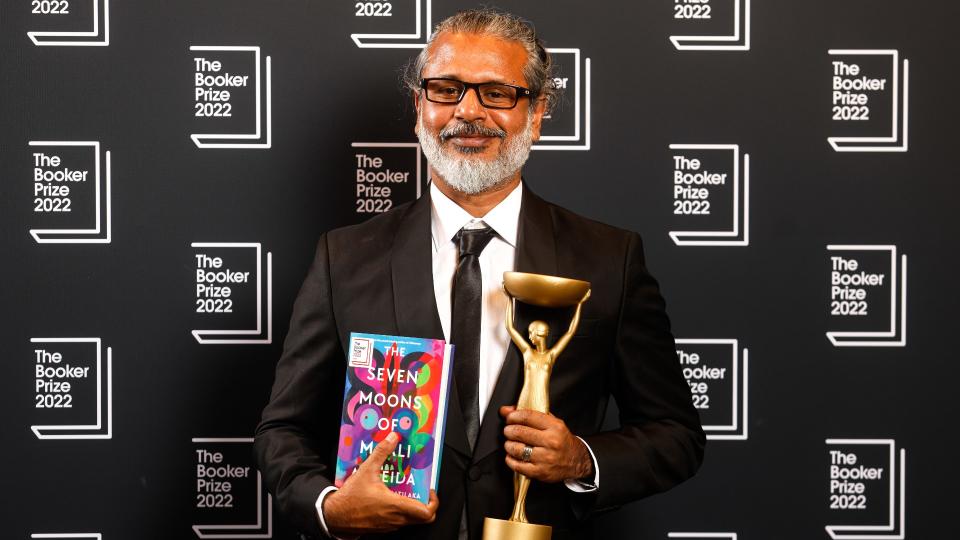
(803, 408)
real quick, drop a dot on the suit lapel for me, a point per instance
(536, 253)
(415, 305)
(536, 241)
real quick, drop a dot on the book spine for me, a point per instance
(441, 424)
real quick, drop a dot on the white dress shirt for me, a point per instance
(446, 219)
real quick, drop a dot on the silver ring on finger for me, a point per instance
(527, 454)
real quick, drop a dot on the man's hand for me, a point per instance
(557, 454)
(365, 505)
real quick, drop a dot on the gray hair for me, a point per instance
(538, 71)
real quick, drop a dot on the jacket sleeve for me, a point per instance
(299, 428)
(660, 442)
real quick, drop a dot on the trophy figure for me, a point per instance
(544, 291)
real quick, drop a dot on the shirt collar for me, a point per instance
(447, 217)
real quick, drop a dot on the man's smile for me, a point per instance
(472, 141)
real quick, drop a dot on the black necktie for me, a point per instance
(465, 327)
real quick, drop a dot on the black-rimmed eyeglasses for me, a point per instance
(491, 94)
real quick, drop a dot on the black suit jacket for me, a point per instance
(377, 277)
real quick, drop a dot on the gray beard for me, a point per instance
(472, 175)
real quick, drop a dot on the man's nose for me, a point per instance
(470, 109)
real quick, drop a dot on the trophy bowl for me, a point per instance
(546, 291)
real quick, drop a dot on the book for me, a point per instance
(396, 384)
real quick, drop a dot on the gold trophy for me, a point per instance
(544, 291)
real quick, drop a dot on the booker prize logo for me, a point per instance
(868, 97)
(361, 353)
(717, 374)
(390, 24)
(866, 487)
(233, 293)
(69, 23)
(387, 174)
(567, 127)
(72, 388)
(70, 192)
(868, 296)
(711, 195)
(705, 25)
(231, 97)
(230, 500)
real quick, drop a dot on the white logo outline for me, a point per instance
(209, 140)
(740, 415)
(706, 238)
(859, 144)
(368, 41)
(94, 536)
(397, 145)
(39, 430)
(82, 236)
(202, 530)
(37, 37)
(576, 137)
(679, 42)
(727, 535)
(208, 337)
(861, 532)
(898, 305)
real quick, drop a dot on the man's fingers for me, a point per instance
(526, 469)
(530, 418)
(379, 455)
(505, 410)
(432, 506)
(526, 435)
(515, 450)
(417, 512)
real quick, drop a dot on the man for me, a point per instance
(481, 88)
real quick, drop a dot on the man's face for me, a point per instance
(472, 159)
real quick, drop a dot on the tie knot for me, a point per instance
(472, 241)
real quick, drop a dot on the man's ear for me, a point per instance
(415, 96)
(538, 110)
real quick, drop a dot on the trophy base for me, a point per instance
(501, 529)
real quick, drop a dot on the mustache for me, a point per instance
(468, 129)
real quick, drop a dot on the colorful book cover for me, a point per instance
(396, 384)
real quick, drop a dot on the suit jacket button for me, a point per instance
(474, 473)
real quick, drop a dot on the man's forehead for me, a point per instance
(476, 58)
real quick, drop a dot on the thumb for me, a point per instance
(379, 455)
